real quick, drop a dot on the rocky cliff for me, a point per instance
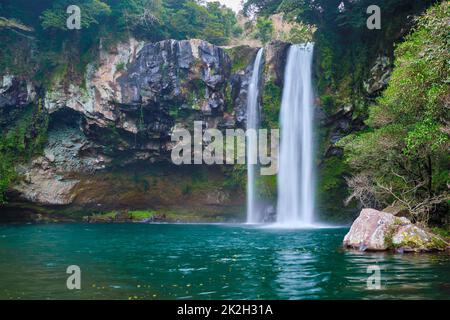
(108, 138)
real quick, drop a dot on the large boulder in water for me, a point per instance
(376, 230)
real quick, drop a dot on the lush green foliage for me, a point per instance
(241, 57)
(404, 155)
(236, 177)
(345, 46)
(267, 187)
(212, 22)
(345, 50)
(300, 33)
(59, 54)
(19, 142)
(43, 24)
(92, 11)
(7, 175)
(151, 19)
(271, 104)
(264, 29)
(332, 190)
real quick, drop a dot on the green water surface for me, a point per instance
(183, 261)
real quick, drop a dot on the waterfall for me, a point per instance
(252, 141)
(295, 176)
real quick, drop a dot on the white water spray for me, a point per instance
(253, 216)
(295, 176)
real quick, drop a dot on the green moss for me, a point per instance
(443, 232)
(388, 239)
(105, 216)
(412, 241)
(331, 174)
(201, 180)
(328, 103)
(271, 104)
(240, 57)
(134, 215)
(192, 216)
(437, 243)
(57, 75)
(229, 104)
(235, 177)
(326, 58)
(120, 66)
(174, 112)
(332, 189)
(194, 92)
(141, 214)
(20, 141)
(267, 187)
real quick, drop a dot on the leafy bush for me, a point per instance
(264, 29)
(271, 104)
(405, 152)
(20, 142)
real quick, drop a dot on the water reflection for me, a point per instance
(207, 262)
(405, 276)
(297, 276)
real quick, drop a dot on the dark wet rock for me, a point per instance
(15, 94)
(379, 75)
(169, 71)
(333, 151)
(239, 91)
(320, 116)
(276, 53)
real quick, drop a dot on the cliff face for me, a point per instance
(15, 95)
(117, 122)
(137, 93)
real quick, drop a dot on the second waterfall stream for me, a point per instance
(253, 215)
(295, 206)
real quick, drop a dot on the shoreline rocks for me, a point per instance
(376, 230)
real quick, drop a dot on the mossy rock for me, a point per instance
(412, 238)
(375, 230)
(241, 57)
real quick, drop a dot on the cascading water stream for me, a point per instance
(295, 206)
(253, 215)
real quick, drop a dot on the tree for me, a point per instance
(404, 153)
(299, 33)
(141, 17)
(264, 29)
(91, 11)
